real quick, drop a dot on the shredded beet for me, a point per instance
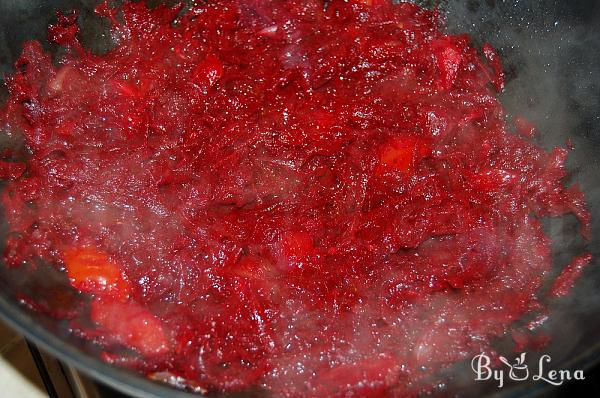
(314, 199)
(565, 282)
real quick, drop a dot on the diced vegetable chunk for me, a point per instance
(131, 324)
(402, 153)
(92, 271)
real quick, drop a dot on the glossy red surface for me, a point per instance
(316, 201)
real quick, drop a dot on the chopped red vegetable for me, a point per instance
(132, 324)
(313, 199)
(92, 271)
(565, 282)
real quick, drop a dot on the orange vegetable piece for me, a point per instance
(92, 271)
(402, 153)
(132, 325)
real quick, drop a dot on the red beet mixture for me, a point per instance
(319, 200)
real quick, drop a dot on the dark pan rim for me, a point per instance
(134, 384)
(121, 379)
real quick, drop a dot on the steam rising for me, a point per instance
(551, 53)
(552, 82)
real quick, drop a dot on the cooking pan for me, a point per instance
(551, 52)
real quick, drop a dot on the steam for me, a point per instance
(552, 82)
(550, 61)
(551, 53)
